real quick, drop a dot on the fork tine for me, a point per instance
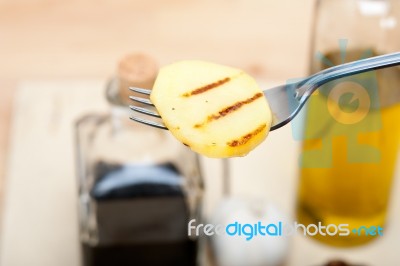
(144, 111)
(141, 100)
(149, 123)
(140, 90)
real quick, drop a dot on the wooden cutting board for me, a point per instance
(40, 224)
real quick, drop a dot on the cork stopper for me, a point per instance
(137, 70)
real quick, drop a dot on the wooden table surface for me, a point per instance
(81, 39)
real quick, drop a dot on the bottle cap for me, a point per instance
(136, 70)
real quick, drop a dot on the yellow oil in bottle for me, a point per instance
(347, 164)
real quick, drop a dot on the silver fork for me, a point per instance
(285, 100)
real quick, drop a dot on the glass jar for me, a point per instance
(350, 132)
(138, 189)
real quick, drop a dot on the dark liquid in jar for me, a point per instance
(172, 254)
(141, 217)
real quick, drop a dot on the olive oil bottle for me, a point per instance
(351, 138)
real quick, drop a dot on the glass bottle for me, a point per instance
(138, 186)
(351, 132)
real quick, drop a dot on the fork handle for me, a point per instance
(348, 69)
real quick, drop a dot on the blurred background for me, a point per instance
(56, 57)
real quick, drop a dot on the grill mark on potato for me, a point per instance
(211, 86)
(229, 110)
(245, 138)
(207, 87)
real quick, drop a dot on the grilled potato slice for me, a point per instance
(217, 111)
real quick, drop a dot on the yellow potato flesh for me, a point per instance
(217, 111)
